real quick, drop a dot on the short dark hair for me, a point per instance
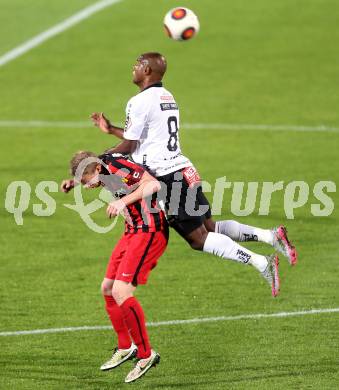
(156, 61)
(78, 158)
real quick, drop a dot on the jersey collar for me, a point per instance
(159, 84)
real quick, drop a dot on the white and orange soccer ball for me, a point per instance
(181, 24)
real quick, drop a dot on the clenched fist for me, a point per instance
(67, 185)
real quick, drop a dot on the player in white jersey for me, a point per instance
(151, 137)
(158, 147)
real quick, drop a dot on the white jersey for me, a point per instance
(152, 119)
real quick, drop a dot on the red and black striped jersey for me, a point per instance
(120, 177)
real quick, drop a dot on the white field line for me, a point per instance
(45, 124)
(241, 126)
(55, 30)
(211, 126)
(178, 322)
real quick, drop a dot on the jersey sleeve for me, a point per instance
(129, 172)
(136, 117)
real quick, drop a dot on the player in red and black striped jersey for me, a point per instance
(135, 255)
(142, 215)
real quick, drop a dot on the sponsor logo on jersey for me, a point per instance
(168, 106)
(166, 97)
(192, 176)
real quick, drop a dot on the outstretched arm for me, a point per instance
(106, 126)
(126, 146)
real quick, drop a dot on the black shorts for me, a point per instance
(185, 204)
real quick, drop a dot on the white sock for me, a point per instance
(239, 232)
(223, 246)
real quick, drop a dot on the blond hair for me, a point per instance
(78, 158)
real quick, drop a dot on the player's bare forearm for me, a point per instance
(148, 185)
(117, 131)
(101, 121)
(125, 147)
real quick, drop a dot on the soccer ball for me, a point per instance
(181, 24)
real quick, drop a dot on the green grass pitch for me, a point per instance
(254, 62)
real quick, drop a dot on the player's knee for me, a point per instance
(119, 294)
(197, 244)
(209, 225)
(197, 241)
(106, 288)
